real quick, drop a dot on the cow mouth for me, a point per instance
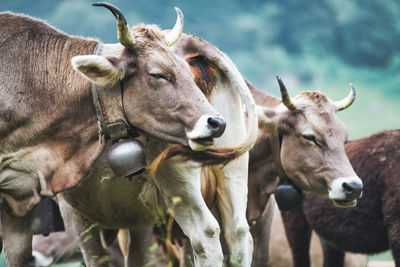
(200, 144)
(344, 203)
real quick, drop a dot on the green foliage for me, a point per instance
(313, 44)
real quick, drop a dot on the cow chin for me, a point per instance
(201, 144)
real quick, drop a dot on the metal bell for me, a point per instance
(127, 157)
(288, 196)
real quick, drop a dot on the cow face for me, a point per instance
(160, 96)
(311, 140)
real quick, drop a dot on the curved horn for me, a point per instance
(125, 36)
(285, 95)
(173, 36)
(347, 101)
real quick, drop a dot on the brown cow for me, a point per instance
(48, 124)
(137, 205)
(279, 247)
(301, 140)
(370, 227)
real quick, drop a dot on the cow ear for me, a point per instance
(267, 119)
(204, 72)
(98, 69)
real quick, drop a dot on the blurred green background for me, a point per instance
(313, 45)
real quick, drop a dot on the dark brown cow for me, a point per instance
(370, 227)
(49, 133)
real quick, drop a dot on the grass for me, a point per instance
(383, 256)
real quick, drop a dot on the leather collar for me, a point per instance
(108, 102)
(276, 142)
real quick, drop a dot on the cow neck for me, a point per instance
(108, 102)
(276, 142)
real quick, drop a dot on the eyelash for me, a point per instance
(160, 76)
(310, 138)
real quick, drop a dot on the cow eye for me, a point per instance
(310, 138)
(159, 76)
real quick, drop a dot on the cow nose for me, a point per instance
(352, 190)
(217, 126)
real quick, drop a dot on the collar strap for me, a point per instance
(108, 102)
(276, 142)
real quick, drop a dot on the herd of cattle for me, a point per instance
(218, 148)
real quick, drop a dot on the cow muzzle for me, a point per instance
(345, 192)
(205, 130)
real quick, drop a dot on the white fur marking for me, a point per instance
(201, 129)
(336, 190)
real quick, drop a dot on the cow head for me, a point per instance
(311, 144)
(160, 96)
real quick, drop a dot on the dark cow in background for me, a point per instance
(373, 225)
(280, 255)
(49, 131)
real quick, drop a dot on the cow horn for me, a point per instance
(285, 95)
(125, 36)
(173, 36)
(347, 101)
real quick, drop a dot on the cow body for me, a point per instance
(371, 226)
(177, 185)
(49, 132)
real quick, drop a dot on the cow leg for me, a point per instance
(261, 234)
(298, 233)
(182, 194)
(232, 204)
(395, 248)
(391, 217)
(85, 233)
(17, 238)
(186, 254)
(393, 230)
(394, 241)
(134, 244)
(333, 257)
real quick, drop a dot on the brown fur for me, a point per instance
(204, 73)
(151, 32)
(316, 97)
(49, 136)
(126, 211)
(212, 156)
(208, 185)
(63, 121)
(315, 110)
(370, 227)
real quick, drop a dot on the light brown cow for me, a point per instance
(49, 133)
(301, 140)
(178, 184)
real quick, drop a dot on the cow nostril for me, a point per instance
(217, 126)
(347, 188)
(352, 189)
